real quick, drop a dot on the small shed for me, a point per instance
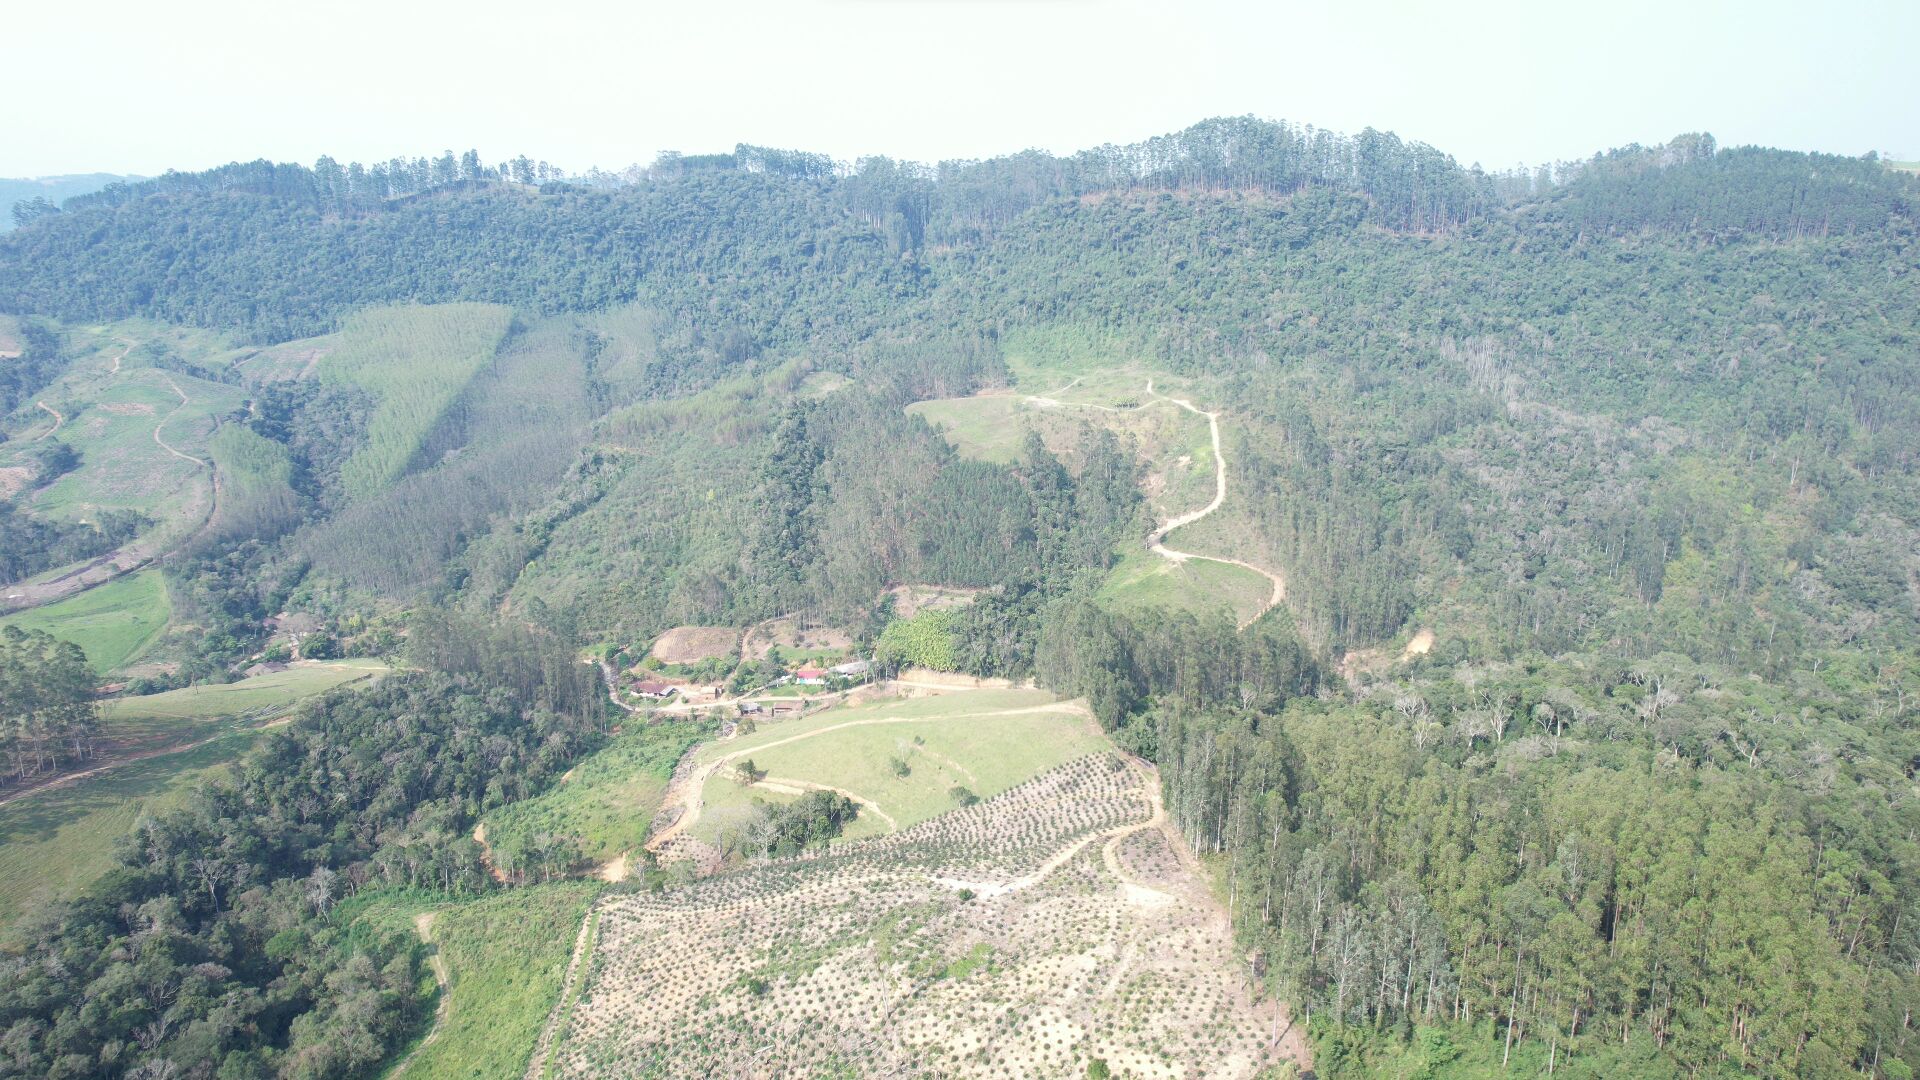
(852, 670)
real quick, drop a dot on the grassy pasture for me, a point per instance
(271, 692)
(954, 742)
(416, 361)
(1145, 580)
(990, 427)
(54, 843)
(113, 622)
(609, 798)
(122, 467)
(506, 955)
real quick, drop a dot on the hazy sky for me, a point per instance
(140, 87)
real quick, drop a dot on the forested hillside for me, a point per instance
(1630, 446)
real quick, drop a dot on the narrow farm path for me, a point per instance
(164, 445)
(57, 420)
(613, 687)
(790, 786)
(486, 853)
(569, 986)
(423, 925)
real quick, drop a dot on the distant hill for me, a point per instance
(53, 188)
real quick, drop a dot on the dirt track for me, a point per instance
(1155, 542)
(57, 420)
(537, 1064)
(423, 925)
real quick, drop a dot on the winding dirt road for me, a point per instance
(1156, 541)
(163, 444)
(57, 420)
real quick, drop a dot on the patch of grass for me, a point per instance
(111, 622)
(54, 843)
(506, 955)
(416, 361)
(954, 742)
(1145, 580)
(610, 798)
(110, 421)
(262, 694)
(989, 427)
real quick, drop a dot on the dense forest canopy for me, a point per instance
(1635, 440)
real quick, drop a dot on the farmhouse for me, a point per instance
(656, 690)
(810, 676)
(852, 670)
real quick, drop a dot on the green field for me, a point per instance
(111, 622)
(1145, 580)
(1065, 405)
(260, 694)
(54, 843)
(951, 741)
(505, 955)
(990, 427)
(111, 421)
(609, 798)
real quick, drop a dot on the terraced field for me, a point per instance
(1028, 935)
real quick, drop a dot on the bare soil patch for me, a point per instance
(910, 600)
(793, 633)
(13, 480)
(692, 644)
(127, 408)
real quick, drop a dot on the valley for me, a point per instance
(1247, 602)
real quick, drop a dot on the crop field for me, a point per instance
(609, 799)
(984, 741)
(111, 622)
(417, 361)
(1029, 935)
(55, 842)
